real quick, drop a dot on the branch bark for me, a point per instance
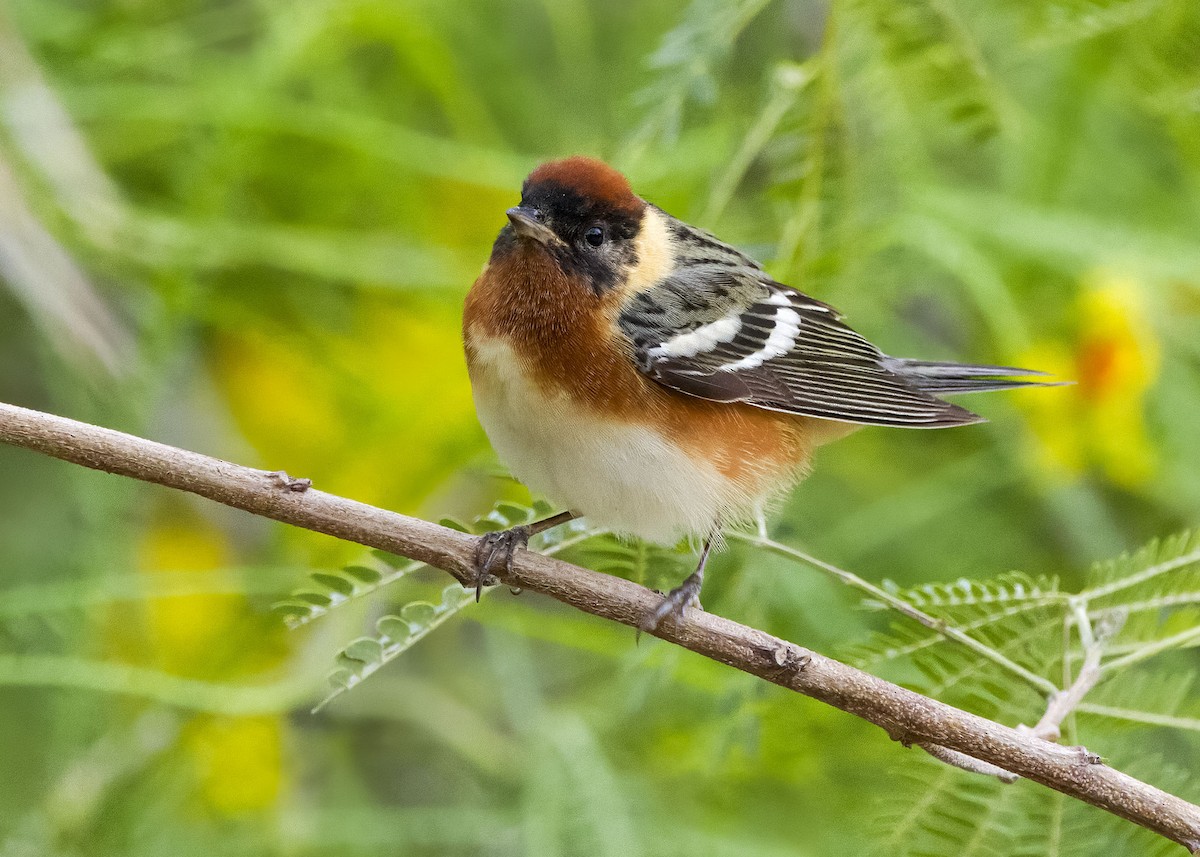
(907, 717)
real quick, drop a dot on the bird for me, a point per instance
(641, 373)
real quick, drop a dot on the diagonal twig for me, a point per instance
(1063, 703)
(904, 608)
(907, 716)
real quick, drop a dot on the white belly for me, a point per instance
(623, 477)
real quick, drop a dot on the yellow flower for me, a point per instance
(238, 761)
(380, 411)
(183, 628)
(212, 636)
(1114, 358)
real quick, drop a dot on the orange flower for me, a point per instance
(1099, 422)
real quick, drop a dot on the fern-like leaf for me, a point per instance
(686, 63)
(1156, 590)
(326, 590)
(1034, 624)
(1069, 21)
(932, 53)
(650, 565)
(395, 634)
(936, 811)
(1011, 588)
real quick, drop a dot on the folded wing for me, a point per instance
(728, 333)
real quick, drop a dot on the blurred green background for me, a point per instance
(246, 227)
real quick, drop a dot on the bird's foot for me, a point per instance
(500, 545)
(686, 595)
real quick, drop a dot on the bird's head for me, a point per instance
(581, 214)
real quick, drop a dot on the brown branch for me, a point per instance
(906, 716)
(1063, 702)
(968, 763)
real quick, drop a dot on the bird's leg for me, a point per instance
(687, 594)
(503, 543)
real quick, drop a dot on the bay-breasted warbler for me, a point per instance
(644, 374)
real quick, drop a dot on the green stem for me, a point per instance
(1177, 641)
(854, 581)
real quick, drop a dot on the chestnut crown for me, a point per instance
(581, 212)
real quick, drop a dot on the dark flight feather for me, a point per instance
(718, 327)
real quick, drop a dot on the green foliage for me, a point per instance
(1152, 592)
(1014, 619)
(686, 66)
(937, 811)
(1014, 587)
(246, 228)
(650, 565)
(395, 634)
(328, 590)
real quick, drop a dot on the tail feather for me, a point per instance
(949, 378)
(941, 386)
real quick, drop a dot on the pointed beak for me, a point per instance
(528, 222)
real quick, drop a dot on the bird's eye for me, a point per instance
(594, 236)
